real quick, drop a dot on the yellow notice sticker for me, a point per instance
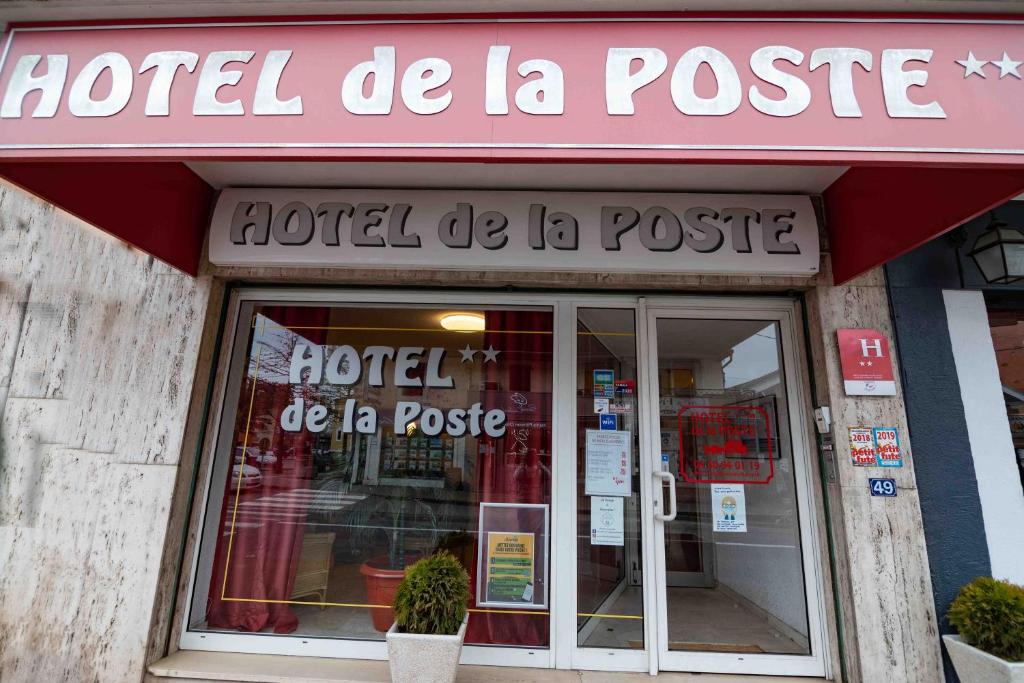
(511, 562)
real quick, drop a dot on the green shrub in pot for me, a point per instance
(989, 615)
(433, 596)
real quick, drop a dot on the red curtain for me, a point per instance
(516, 468)
(263, 526)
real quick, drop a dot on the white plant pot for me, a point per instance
(415, 658)
(977, 666)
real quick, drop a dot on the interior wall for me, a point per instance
(778, 586)
(98, 348)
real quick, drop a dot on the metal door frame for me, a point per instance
(784, 312)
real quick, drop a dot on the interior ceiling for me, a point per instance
(685, 339)
(618, 321)
(593, 177)
(678, 339)
(385, 324)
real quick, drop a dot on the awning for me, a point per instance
(105, 120)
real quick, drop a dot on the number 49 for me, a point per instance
(883, 487)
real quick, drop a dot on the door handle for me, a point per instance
(671, 478)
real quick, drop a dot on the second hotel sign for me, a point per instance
(554, 231)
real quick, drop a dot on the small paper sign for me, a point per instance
(887, 447)
(729, 508)
(607, 521)
(862, 447)
(510, 567)
(609, 460)
(604, 383)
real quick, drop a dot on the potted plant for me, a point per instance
(430, 621)
(989, 617)
(392, 516)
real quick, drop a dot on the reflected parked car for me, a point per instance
(263, 459)
(251, 477)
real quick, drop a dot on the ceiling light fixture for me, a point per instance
(463, 322)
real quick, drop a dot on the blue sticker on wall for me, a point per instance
(609, 422)
(882, 487)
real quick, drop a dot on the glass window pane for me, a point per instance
(364, 438)
(609, 584)
(1007, 326)
(733, 561)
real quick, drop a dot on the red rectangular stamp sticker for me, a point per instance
(726, 445)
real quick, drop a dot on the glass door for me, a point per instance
(735, 583)
(610, 587)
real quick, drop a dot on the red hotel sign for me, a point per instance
(680, 88)
(866, 362)
(726, 445)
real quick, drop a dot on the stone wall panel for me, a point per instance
(98, 348)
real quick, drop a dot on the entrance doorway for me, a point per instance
(702, 558)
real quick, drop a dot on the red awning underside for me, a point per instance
(873, 214)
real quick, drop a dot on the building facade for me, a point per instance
(672, 327)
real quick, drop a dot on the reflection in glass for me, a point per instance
(364, 438)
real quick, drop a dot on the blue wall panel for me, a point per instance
(950, 504)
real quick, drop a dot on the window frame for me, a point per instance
(562, 651)
(230, 371)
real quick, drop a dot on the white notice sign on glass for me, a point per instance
(729, 508)
(607, 521)
(608, 463)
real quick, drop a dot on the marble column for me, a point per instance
(888, 614)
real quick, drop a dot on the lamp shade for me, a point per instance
(999, 254)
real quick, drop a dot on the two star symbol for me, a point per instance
(863, 363)
(1007, 67)
(490, 354)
